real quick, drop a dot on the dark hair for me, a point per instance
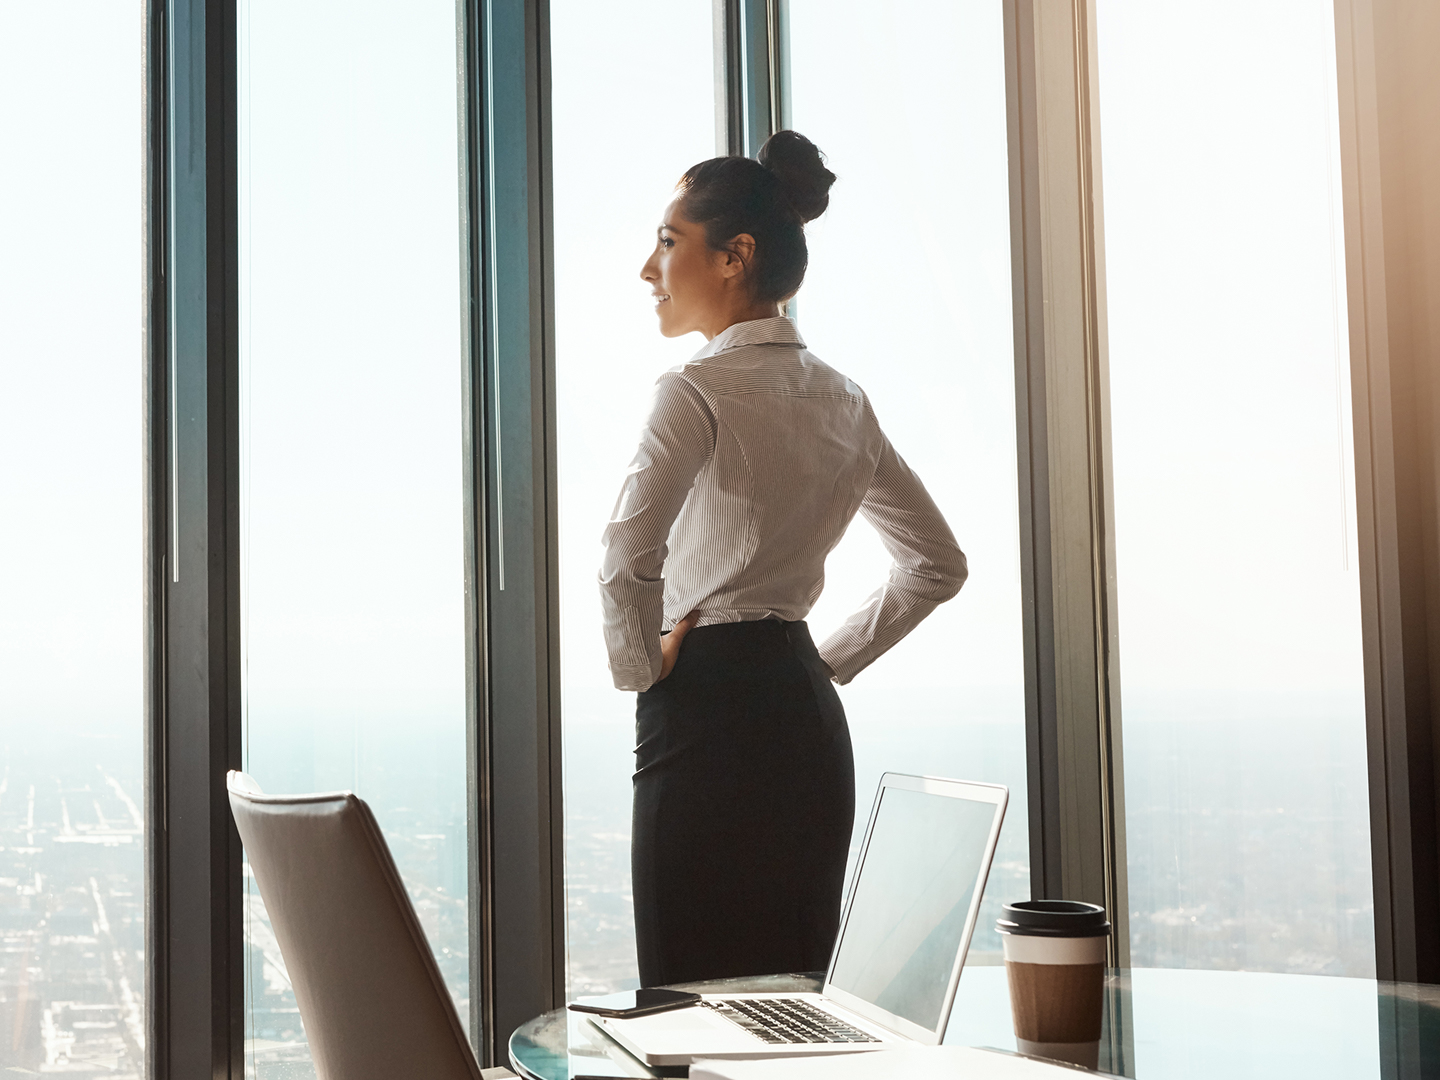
(770, 197)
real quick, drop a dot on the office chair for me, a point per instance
(370, 994)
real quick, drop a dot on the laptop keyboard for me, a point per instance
(788, 1020)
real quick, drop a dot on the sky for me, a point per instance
(71, 235)
(1228, 348)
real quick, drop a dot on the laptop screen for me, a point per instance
(911, 900)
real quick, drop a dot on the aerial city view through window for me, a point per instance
(72, 908)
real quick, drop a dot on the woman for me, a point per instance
(753, 461)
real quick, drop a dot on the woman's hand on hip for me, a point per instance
(671, 642)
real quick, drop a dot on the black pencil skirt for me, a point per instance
(744, 805)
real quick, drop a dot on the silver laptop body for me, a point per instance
(903, 936)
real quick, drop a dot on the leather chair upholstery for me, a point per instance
(370, 994)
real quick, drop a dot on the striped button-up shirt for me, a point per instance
(754, 460)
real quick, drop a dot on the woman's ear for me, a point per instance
(738, 255)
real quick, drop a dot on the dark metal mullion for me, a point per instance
(475, 436)
(1104, 588)
(753, 53)
(544, 323)
(757, 65)
(730, 78)
(1067, 546)
(1385, 127)
(1041, 737)
(226, 747)
(195, 995)
(157, 533)
(778, 28)
(517, 851)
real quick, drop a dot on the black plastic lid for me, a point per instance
(1053, 918)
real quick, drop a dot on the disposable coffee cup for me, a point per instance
(1055, 961)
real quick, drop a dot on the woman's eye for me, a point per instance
(666, 242)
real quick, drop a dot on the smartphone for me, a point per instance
(636, 1002)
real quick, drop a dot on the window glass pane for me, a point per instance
(72, 261)
(908, 293)
(633, 108)
(352, 499)
(1247, 826)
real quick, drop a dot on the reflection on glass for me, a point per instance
(352, 498)
(907, 916)
(72, 884)
(908, 293)
(1245, 781)
(621, 141)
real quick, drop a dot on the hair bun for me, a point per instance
(800, 167)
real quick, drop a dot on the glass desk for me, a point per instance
(1163, 1025)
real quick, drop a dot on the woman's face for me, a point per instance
(694, 287)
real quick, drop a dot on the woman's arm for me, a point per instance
(928, 568)
(678, 439)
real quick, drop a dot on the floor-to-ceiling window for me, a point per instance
(633, 108)
(1245, 768)
(351, 463)
(1247, 831)
(72, 227)
(908, 293)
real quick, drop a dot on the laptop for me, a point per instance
(913, 903)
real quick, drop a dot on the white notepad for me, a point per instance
(919, 1063)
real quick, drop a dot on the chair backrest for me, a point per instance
(370, 994)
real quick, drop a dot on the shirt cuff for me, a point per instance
(844, 664)
(631, 678)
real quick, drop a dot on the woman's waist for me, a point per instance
(750, 640)
(726, 616)
(739, 597)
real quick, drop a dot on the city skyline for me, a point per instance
(71, 878)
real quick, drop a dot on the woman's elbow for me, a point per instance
(953, 571)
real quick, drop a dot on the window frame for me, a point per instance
(1386, 89)
(517, 858)
(194, 993)
(1072, 682)
(195, 970)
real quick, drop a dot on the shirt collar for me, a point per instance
(777, 331)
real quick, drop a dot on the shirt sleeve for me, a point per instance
(927, 570)
(679, 437)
